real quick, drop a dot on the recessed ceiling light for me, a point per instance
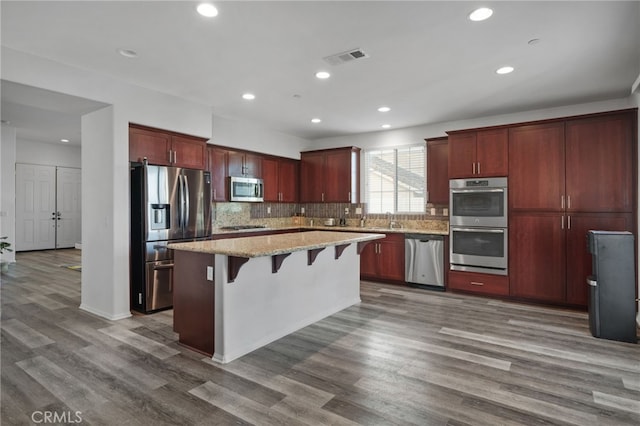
(208, 10)
(504, 70)
(128, 53)
(481, 14)
(384, 109)
(249, 96)
(323, 75)
(386, 126)
(64, 140)
(316, 120)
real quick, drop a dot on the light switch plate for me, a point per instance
(210, 273)
(358, 210)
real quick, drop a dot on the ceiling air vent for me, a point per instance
(344, 57)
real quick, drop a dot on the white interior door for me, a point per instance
(68, 207)
(35, 207)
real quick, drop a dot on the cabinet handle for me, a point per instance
(568, 222)
(478, 167)
(214, 194)
(476, 283)
(473, 166)
(562, 202)
(349, 196)
(322, 196)
(562, 223)
(568, 201)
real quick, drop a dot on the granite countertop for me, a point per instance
(269, 245)
(337, 228)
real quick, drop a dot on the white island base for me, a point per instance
(259, 306)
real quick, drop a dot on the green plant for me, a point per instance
(4, 245)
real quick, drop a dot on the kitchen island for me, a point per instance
(235, 295)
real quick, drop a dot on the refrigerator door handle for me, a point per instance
(186, 202)
(181, 210)
(592, 281)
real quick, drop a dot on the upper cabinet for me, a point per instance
(243, 163)
(217, 166)
(281, 177)
(599, 162)
(166, 148)
(438, 171)
(578, 165)
(331, 175)
(478, 153)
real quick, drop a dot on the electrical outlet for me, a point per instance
(210, 273)
(301, 210)
(269, 210)
(358, 210)
(346, 210)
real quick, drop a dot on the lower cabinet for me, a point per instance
(497, 285)
(383, 260)
(548, 256)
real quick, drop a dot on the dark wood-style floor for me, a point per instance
(402, 356)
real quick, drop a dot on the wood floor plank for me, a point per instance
(25, 334)
(140, 342)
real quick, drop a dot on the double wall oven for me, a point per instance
(478, 225)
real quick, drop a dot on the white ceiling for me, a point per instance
(427, 61)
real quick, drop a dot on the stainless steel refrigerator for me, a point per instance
(168, 204)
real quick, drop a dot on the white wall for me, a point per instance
(105, 164)
(7, 186)
(47, 154)
(417, 134)
(245, 135)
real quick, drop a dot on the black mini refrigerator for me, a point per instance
(612, 310)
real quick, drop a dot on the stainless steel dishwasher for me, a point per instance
(424, 260)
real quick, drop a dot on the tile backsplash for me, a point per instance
(274, 214)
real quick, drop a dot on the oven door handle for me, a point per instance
(491, 230)
(466, 191)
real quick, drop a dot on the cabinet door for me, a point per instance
(579, 257)
(154, 146)
(253, 165)
(235, 163)
(288, 178)
(338, 177)
(492, 152)
(369, 260)
(536, 167)
(438, 171)
(537, 256)
(462, 155)
(189, 152)
(391, 257)
(311, 177)
(599, 164)
(217, 166)
(270, 177)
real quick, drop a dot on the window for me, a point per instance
(395, 180)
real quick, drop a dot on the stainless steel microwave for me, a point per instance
(246, 189)
(478, 202)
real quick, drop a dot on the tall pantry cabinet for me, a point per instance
(566, 177)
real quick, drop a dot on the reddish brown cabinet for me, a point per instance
(537, 247)
(438, 171)
(281, 177)
(331, 175)
(537, 167)
(472, 282)
(478, 153)
(166, 148)
(383, 260)
(244, 163)
(565, 178)
(217, 166)
(599, 163)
